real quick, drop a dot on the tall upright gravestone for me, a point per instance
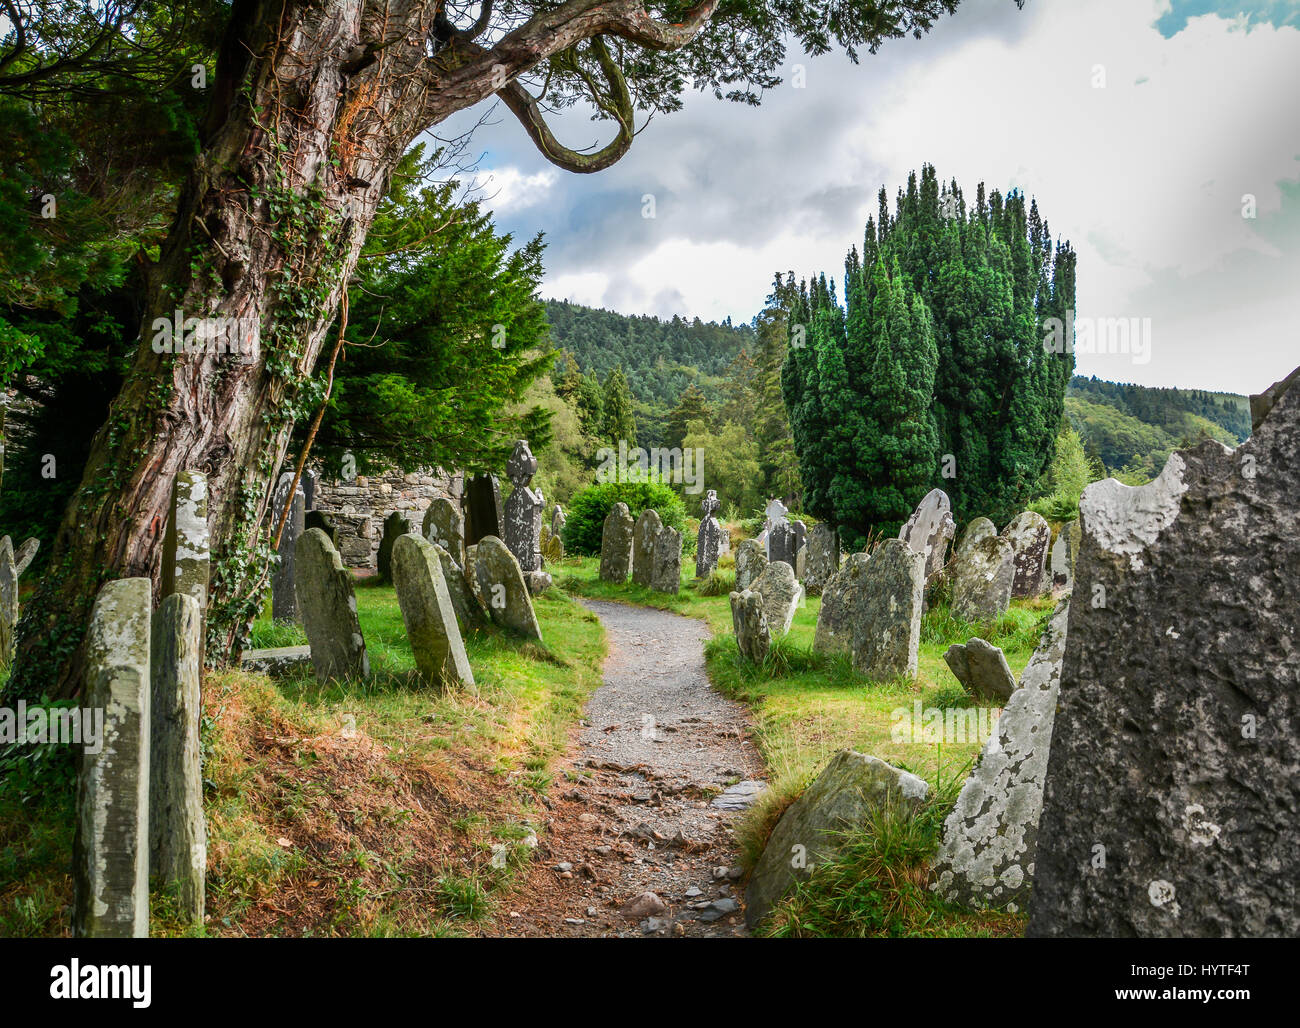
(708, 543)
(482, 504)
(616, 544)
(111, 844)
(524, 509)
(395, 526)
(428, 613)
(644, 535)
(8, 600)
(328, 603)
(444, 526)
(930, 529)
(284, 593)
(1029, 536)
(1171, 800)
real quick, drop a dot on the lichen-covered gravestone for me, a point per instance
(842, 606)
(783, 544)
(444, 526)
(558, 520)
(177, 833)
(8, 600)
(1172, 795)
(887, 627)
(644, 534)
(800, 548)
(749, 622)
(751, 559)
(981, 577)
(781, 593)
(708, 543)
(666, 576)
(111, 845)
(464, 600)
(930, 529)
(1029, 535)
(845, 795)
(616, 545)
(774, 514)
(982, 669)
(327, 602)
(320, 519)
(1060, 566)
(428, 613)
(523, 524)
(482, 503)
(986, 857)
(502, 588)
(284, 591)
(186, 553)
(823, 560)
(977, 530)
(395, 526)
(26, 553)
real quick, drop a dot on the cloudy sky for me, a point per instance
(1145, 174)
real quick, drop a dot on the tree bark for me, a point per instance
(313, 105)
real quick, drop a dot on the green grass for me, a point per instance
(808, 706)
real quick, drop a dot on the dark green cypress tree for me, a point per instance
(619, 419)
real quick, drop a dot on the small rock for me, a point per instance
(574, 920)
(736, 874)
(653, 924)
(647, 904)
(692, 892)
(566, 866)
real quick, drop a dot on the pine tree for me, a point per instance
(619, 420)
(693, 406)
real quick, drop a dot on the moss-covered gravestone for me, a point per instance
(428, 614)
(445, 526)
(503, 589)
(328, 603)
(616, 545)
(284, 591)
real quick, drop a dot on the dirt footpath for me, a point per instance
(640, 842)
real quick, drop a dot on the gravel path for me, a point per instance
(645, 814)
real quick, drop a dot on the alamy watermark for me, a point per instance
(1105, 336)
(681, 467)
(947, 725)
(53, 726)
(218, 337)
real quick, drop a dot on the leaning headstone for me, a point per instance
(980, 528)
(1060, 565)
(8, 600)
(616, 545)
(646, 531)
(887, 629)
(982, 669)
(781, 593)
(981, 578)
(782, 544)
(708, 543)
(666, 573)
(482, 503)
(749, 622)
(177, 834)
(843, 599)
(284, 592)
(558, 521)
(987, 855)
(328, 603)
(111, 844)
(823, 560)
(186, 554)
(445, 526)
(1029, 535)
(26, 553)
(469, 611)
(930, 529)
(751, 559)
(849, 791)
(395, 526)
(523, 522)
(428, 613)
(1175, 748)
(320, 519)
(503, 589)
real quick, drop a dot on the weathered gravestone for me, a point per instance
(502, 588)
(823, 560)
(445, 526)
(111, 843)
(320, 519)
(843, 600)
(781, 593)
(284, 592)
(930, 529)
(986, 858)
(1175, 748)
(666, 576)
(783, 544)
(523, 522)
(310, 480)
(708, 543)
(751, 559)
(482, 503)
(395, 526)
(981, 577)
(178, 844)
(800, 548)
(774, 514)
(186, 553)
(977, 530)
(558, 520)
(327, 602)
(8, 600)
(616, 545)
(1029, 535)
(428, 613)
(646, 531)
(26, 553)
(749, 622)
(887, 625)
(982, 670)
(845, 795)
(464, 600)
(1060, 566)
